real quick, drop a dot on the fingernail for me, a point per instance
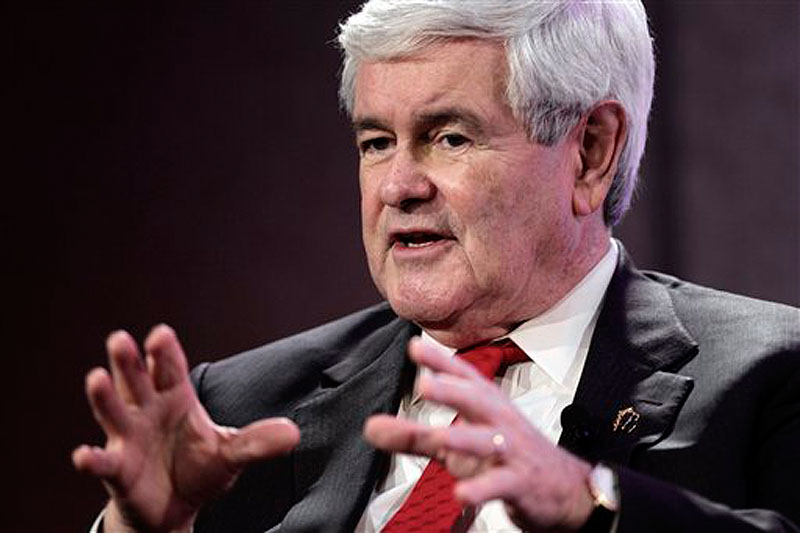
(162, 326)
(114, 334)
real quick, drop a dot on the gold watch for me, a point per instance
(602, 484)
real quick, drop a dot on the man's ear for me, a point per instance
(601, 136)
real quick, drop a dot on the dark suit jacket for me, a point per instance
(714, 377)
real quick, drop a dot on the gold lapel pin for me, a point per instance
(626, 420)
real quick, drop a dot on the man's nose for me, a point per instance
(406, 182)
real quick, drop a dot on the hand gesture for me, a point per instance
(492, 449)
(164, 457)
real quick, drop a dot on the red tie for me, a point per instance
(431, 506)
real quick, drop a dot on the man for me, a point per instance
(499, 143)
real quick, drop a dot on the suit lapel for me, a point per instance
(333, 460)
(628, 389)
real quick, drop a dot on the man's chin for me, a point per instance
(423, 311)
(432, 297)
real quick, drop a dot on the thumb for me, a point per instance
(260, 440)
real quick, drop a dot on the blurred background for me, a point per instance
(187, 163)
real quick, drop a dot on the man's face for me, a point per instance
(468, 226)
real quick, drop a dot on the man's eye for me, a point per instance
(451, 141)
(377, 144)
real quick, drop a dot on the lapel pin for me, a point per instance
(626, 420)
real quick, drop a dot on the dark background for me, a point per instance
(187, 163)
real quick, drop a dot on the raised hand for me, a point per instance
(164, 457)
(494, 451)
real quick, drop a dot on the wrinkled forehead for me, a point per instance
(456, 52)
(444, 73)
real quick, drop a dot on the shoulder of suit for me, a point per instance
(289, 362)
(737, 320)
(317, 344)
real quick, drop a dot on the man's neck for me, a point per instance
(473, 328)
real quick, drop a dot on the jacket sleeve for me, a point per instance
(648, 504)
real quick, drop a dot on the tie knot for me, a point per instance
(489, 359)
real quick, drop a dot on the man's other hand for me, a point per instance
(493, 451)
(164, 457)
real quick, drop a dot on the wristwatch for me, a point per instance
(602, 484)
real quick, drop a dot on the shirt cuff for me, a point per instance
(97, 527)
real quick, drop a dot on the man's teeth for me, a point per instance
(419, 240)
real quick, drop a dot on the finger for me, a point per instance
(462, 465)
(394, 434)
(108, 408)
(130, 376)
(481, 403)
(479, 441)
(96, 461)
(492, 484)
(473, 449)
(426, 354)
(166, 359)
(260, 440)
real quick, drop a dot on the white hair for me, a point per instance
(564, 56)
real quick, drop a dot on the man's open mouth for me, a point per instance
(417, 239)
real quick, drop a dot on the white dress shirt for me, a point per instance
(557, 342)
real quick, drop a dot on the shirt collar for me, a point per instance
(551, 339)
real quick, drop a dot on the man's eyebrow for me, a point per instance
(453, 115)
(439, 117)
(369, 123)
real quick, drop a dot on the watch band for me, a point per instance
(602, 484)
